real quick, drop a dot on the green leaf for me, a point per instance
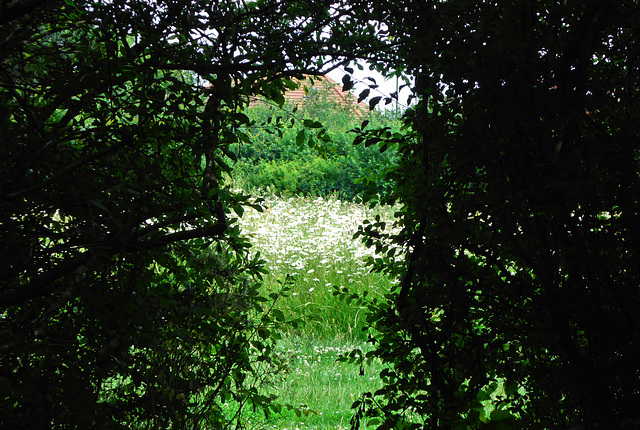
(312, 124)
(278, 314)
(300, 137)
(500, 415)
(484, 395)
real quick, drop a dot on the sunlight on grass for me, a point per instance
(291, 231)
(323, 388)
(311, 239)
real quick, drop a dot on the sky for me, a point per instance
(385, 87)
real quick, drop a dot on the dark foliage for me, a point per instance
(520, 193)
(128, 299)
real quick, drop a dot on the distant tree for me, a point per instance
(519, 186)
(128, 298)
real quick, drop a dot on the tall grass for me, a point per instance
(311, 240)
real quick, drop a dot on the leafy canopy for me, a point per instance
(128, 298)
(519, 183)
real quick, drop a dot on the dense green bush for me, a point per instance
(309, 150)
(518, 194)
(315, 176)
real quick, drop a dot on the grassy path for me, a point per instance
(311, 240)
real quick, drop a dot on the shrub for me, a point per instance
(318, 160)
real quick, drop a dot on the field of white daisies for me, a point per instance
(311, 241)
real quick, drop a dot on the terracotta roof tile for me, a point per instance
(335, 94)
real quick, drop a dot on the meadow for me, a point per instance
(311, 241)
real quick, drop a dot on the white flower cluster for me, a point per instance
(291, 231)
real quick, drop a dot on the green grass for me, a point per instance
(310, 239)
(321, 387)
